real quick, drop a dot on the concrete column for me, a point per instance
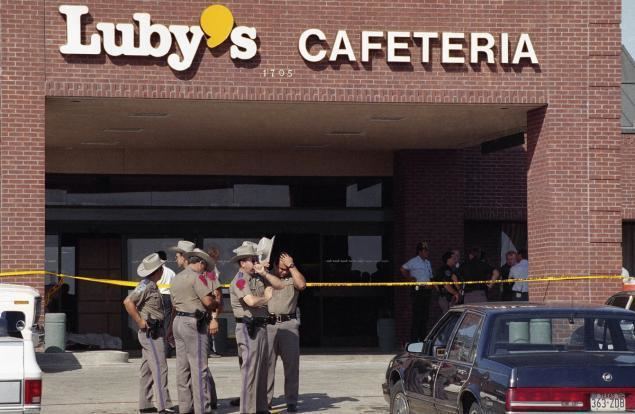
(428, 206)
(22, 46)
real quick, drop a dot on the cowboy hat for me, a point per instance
(149, 264)
(264, 248)
(245, 250)
(201, 254)
(182, 246)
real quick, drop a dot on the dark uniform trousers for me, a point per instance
(420, 311)
(154, 373)
(284, 340)
(253, 370)
(195, 385)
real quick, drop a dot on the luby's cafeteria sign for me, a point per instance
(216, 26)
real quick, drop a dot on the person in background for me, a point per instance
(164, 289)
(449, 292)
(520, 271)
(474, 270)
(502, 291)
(418, 269)
(214, 253)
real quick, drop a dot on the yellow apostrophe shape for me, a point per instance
(217, 22)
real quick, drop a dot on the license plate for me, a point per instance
(608, 402)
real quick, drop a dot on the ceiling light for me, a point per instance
(148, 115)
(387, 118)
(124, 130)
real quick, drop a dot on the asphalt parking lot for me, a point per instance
(328, 383)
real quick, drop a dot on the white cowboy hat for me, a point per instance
(149, 264)
(245, 250)
(183, 246)
(264, 248)
(200, 253)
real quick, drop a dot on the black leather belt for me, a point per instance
(259, 320)
(189, 314)
(283, 317)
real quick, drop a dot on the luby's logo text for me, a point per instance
(156, 40)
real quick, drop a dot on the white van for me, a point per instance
(21, 306)
(20, 374)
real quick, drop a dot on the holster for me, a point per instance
(154, 328)
(250, 323)
(202, 319)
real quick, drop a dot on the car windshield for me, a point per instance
(524, 334)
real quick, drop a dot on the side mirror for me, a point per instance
(415, 347)
(439, 351)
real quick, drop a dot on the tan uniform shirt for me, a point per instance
(189, 287)
(285, 300)
(242, 285)
(147, 299)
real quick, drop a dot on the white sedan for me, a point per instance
(20, 375)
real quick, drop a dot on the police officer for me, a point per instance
(145, 307)
(193, 299)
(284, 336)
(249, 292)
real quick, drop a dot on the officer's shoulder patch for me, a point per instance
(240, 284)
(203, 279)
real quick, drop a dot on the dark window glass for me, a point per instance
(441, 336)
(464, 343)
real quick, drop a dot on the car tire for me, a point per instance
(475, 408)
(398, 400)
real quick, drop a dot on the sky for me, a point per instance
(628, 25)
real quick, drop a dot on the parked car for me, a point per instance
(21, 306)
(518, 358)
(625, 300)
(20, 375)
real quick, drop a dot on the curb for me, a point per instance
(76, 360)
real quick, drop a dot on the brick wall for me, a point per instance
(22, 139)
(428, 204)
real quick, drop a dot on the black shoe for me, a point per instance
(235, 402)
(148, 410)
(292, 408)
(168, 411)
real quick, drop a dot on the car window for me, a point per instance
(562, 334)
(12, 318)
(619, 301)
(441, 336)
(463, 346)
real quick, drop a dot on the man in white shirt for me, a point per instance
(520, 290)
(166, 279)
(418, 269)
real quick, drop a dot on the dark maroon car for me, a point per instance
(518, 358)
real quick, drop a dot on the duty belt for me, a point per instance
(189, 314)
(283, 317)
(258, 320)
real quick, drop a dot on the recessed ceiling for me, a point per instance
(85, 123)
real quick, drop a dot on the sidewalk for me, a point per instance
(349, 383)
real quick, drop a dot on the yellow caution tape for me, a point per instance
(125, 283)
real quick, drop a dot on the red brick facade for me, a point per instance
(573, 195)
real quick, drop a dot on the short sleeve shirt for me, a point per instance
(147, 299)
(189, 287)
(243, 285)
(285, 300)
(419, 268)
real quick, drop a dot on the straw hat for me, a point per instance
(183, 246)
(201, 254)
(245, 250)
(149, 264)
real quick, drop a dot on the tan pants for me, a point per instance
(284, 341)
(153, 379)
(194, 382)
(253, 371)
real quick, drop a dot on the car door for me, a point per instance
(454, 370)
(420, 375)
